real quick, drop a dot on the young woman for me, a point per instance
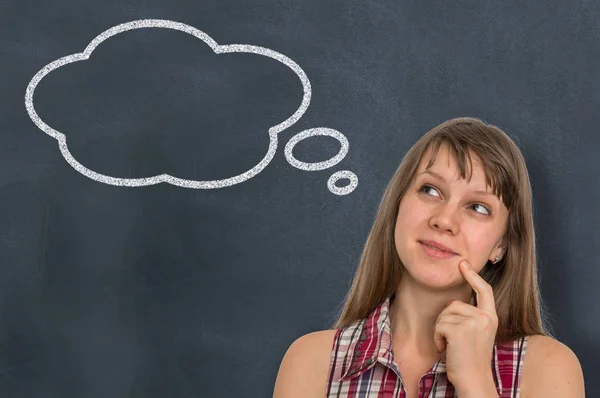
(414, 323)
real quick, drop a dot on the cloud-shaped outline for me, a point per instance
(218, 49)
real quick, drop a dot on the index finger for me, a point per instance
(483, 290)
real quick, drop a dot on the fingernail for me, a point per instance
(464, 265)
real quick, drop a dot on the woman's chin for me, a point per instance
(437, 277)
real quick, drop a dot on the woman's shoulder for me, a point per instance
(541, 347)
(315, 346)
(550, 366)
(318, 338)
(305, 366)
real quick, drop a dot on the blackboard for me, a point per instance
(187, 185)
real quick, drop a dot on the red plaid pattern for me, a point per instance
(362, 364)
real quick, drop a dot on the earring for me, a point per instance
(497, 258)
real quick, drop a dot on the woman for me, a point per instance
(415, 324)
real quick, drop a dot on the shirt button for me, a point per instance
(357, 353)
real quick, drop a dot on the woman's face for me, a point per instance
(450, 212)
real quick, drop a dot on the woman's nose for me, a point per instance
(444, 218)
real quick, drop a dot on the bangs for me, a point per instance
(496, 176)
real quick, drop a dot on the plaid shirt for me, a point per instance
(362, 364)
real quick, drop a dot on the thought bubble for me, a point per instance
(209, 184)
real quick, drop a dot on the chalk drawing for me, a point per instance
(212, 184)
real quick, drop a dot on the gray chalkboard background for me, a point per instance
(167, 291)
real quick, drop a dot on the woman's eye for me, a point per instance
(424, 188)
(483, 207)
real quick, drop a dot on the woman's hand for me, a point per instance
(467, 333)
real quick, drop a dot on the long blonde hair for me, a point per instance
(514, 278)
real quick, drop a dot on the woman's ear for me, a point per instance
(500, 249)
(497, 254)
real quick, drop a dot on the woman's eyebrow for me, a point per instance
(439, 177)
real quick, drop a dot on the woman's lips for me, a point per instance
(435, 253)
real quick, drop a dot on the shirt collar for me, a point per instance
(372, 342)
